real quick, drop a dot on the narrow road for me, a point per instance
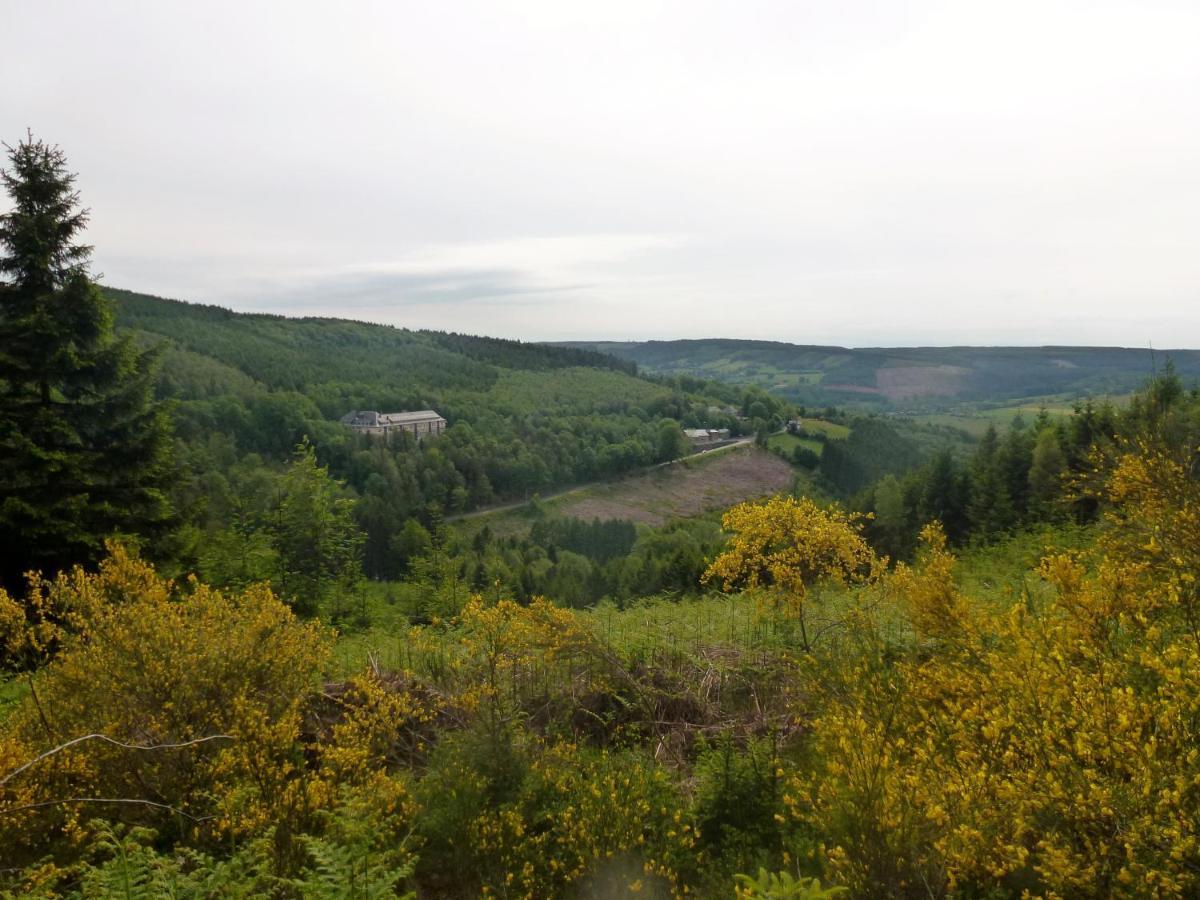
(579, 488)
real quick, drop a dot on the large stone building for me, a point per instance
(420, 423)
(703, 437)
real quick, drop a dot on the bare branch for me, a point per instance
(103, 737)
(131, 800)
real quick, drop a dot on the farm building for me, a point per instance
(704, 436)
(420, 423)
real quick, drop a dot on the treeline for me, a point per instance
(600, 541)
(575, 562)
(296, 353)
(580, 563)
(1027, 475)
(521, 355)
(822, 375)
(871, 450)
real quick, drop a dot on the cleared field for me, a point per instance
(899, 382)
(972, 424)
(686, 488)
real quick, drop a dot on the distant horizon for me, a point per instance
(857, 173)
(1155, 350)
(609, 340)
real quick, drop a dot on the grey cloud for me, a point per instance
(841, 171)
(388, 290)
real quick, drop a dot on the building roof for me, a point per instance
(408, 418)
(369, 418)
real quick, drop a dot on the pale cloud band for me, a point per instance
(855, 173)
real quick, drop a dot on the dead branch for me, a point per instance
(103, 737)
(8, 811)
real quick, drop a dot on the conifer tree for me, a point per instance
(990, 508)
(944, 497)
(891, 525)
(84, 447)
(1046, 468)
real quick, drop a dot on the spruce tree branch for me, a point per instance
(103, 737)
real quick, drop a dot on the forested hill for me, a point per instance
(296, 353)
(904, 377)
(523, 418)
(291, 376)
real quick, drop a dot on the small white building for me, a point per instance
(420, 423)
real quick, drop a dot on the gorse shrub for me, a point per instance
(782, 886)
(178, 708)
(546, 818)
(1050, 750)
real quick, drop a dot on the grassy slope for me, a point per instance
(976, 421)
(714, 625)
(788, 442)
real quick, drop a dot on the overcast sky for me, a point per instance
(848, 172)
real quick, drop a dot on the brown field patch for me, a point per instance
(920, 381)
(685, 488)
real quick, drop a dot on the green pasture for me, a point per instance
(831, 430)
(788, 442)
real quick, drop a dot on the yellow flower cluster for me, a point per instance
(591, 817)
(1051, 751)
(504, 654)
(789, 543)
(782, 546)
(179, 705)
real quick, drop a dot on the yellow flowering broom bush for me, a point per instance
(783, 546)
(1051, 752)
(187, 710)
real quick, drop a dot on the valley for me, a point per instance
(526, 621)
(911, 380)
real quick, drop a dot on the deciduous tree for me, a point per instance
(319, 546)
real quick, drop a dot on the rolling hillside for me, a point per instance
(904, 378)
(297, 353)
(212, 352)
(522, 418)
